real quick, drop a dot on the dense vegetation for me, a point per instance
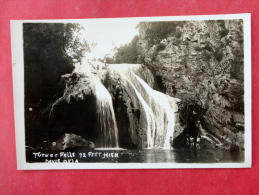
(155, 32)
(50, 50)
(127, 53)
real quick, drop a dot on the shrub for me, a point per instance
(127, 53)
(160, 47)
(190, 111)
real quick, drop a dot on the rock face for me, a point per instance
(191, 84)
(115, 106)
(91, 103)
(202, 61)
(150, 113)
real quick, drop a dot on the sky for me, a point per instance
(108, 33)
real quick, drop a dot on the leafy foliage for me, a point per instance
(50, 49)
(190, 111)
(157, 48)
(107, 79)
(127, 53)
(157, 31)
(109, 60)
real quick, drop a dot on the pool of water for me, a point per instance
(180, 156)
(82, 155)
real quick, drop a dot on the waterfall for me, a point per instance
(106, 117)
(147, 116)
(163, 112)
(156, 108)
(151, 127)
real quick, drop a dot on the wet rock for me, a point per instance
(231, 147)
(29, 148)
(206, 142)
(66, 141)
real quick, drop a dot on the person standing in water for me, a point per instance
(192, 143)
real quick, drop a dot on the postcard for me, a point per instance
(133, 93)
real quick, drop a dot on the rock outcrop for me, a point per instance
(66, 141)
(202, 61)
(191, 83)
(125, 110)
(150, 113)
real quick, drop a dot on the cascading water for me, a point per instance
(106, 117)
(153, 124)
(163, 112)
(147, 116)
(156, 109)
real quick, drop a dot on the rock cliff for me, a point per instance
(201, 62)
(113, 106)
(189, 83)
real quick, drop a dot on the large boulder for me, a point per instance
(64, 142)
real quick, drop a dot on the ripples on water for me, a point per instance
(181, 156)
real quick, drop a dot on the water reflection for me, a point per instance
(159, 156)
(182, 156)
(208, 156)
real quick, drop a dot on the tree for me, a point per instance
(109, 60)
(157, 31)
(50, 50)
(127, 53)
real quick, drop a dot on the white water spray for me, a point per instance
(106, 117)
(157, 109)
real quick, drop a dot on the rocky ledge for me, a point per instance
(201, 62)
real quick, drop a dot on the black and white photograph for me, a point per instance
(124, 93)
